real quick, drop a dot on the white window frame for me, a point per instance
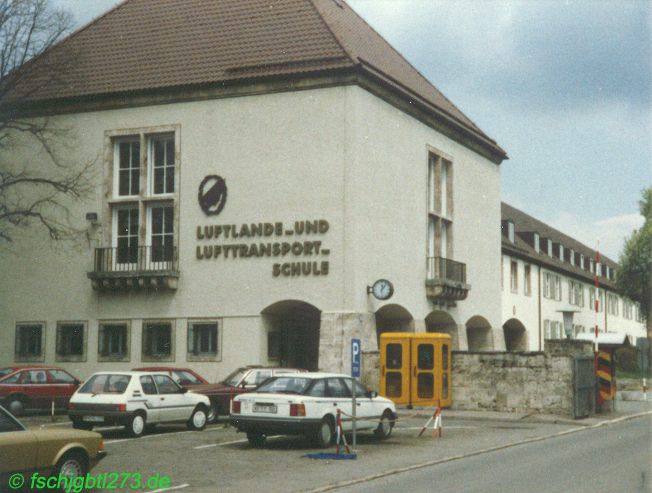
(162, 264)
(116, 166)
(114, 233)
(151, 139)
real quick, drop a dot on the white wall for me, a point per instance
(337, 154)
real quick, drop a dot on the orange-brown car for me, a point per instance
(67, 452)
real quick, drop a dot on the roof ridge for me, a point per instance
(391, 47)
(335, 37)
(88, 24)
(561, 233)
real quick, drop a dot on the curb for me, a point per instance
(413, 467)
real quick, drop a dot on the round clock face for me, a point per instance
(382, 289)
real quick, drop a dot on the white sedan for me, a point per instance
(307, 404)
(134, 400)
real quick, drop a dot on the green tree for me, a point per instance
(634, 278)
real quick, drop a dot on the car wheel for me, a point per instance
(136, 425)
(213, 412)
(256, 440)
(80, 425)
(16, 406)
(324, 434)
(385, 426)
(72, 465)
(198, 419)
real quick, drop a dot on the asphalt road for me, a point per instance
(617, 457)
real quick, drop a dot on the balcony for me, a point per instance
(446, 280)
(138, 268)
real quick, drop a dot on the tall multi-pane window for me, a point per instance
(440, 209)
(612, 304)
(162, 232)
(513, 276)
(127, 155)
(143, 230)
(527, 280)
(126, 234)
(575, 293)
(162, 159)
(536, 242)
(552, 286)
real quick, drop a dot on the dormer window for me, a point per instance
(536, 243)
(572, 257)
(599, 269)
(561, 252)
(510, 231)
(591, 265)
(550, 248)
(582, 262)
(608, 272)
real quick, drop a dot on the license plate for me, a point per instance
(265, 408)
(94, 419)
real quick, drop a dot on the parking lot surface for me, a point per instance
(220, 459)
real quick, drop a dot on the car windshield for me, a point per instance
(285, 385)
(185, 378)
(234, 378)
(9, 423)
(106, 384)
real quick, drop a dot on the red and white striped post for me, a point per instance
(597, 316)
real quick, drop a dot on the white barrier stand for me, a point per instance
(435, 419)
(644, 389)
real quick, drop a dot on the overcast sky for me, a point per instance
(565, 87)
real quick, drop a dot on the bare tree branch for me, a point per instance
(38, 180)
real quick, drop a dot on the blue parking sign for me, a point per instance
(355, 357)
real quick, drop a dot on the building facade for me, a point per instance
(545, 272)
(246, 198)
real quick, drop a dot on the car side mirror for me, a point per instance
(77, 382)
(183, 390)
(373, 394)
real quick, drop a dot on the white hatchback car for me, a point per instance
(307, 404)
(134, 400)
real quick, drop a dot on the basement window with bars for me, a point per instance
(203, 340)
(29, 342)
(71, 341)
(157, 340)
(113, 341)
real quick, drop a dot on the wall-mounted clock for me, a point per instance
(382, 289)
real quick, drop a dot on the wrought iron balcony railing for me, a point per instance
(135, 267)
(446, 279)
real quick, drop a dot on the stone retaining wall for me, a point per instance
(517, 382)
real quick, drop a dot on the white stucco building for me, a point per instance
(545, 272)
(254, 172)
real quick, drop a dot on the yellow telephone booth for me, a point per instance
(415, 368)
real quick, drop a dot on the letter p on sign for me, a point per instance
(355, 358)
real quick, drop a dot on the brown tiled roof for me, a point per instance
(524, 224)
(143, 45)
